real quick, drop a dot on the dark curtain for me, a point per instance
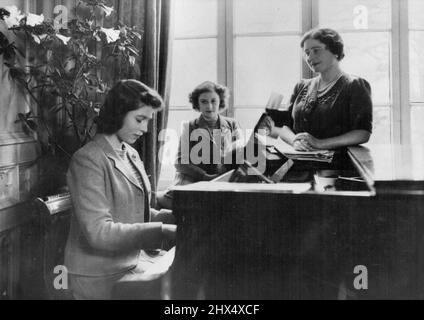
(156, 72)
(154, 17)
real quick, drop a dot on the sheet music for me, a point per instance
(287, 187)
(274, 101)
(290, 152)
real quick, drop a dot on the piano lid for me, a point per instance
(394, 167)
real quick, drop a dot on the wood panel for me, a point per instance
(21, 242)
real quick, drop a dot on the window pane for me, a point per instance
(416, 14)
(355, 14)
(263, 65)
(381, 126)
(194, 17)
(367, 56)
(266, 16)
(248, 118)
(417, 128)
(194, 61)
(416, 47)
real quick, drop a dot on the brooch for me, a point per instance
(224, 130)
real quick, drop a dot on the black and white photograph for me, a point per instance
(191, 151)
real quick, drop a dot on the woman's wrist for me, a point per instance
(321, 144)
(277, 132)
(328, 144)
(287, 135)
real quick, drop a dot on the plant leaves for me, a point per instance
(32, 125)
(22, 54)
(4, 13)
(28, 125)
(80, 82)
(56, 108)
(17, 73)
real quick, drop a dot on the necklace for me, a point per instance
(328, 85)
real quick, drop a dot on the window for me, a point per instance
(366, 30)
(416, 74)
(195, 59)
(266, 54)
(252, 46)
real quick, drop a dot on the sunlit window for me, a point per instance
(266, 54)
(195, 59)
(252, 46)
(366, 30)
(416, 80)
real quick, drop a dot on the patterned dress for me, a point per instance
(346, 106)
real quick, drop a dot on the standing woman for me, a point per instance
(112, 222)
(332, 110)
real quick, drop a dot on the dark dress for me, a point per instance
(345, 107)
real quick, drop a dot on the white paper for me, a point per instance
(290, 152)
(274, 101)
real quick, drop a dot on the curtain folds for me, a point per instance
(156, 68)
(154, 19)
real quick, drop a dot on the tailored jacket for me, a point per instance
(229, 132)
(108, 226)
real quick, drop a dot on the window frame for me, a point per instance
(400, 104)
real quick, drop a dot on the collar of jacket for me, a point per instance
(120, 165)
(223, 124)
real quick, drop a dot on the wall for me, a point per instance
(18, 178)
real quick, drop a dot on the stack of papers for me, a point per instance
(247, 187)
(291, 153)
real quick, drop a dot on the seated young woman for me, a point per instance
(112, 223)
(206, 141)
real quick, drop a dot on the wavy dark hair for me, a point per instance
(331, 38)
(125, 96)
(209, 86)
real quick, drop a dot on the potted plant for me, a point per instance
(68, 70)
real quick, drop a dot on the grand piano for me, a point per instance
(298, 240)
